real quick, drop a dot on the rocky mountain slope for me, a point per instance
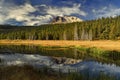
(65, 19)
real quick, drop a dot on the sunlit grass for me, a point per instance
(105, 44)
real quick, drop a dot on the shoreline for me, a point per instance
(102, 44)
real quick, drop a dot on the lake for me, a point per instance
(60, 59)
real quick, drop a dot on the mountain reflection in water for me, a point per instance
(59, 63)
(29, 59)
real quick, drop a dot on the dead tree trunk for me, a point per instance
(90, 35)
(83, 34)
(75, 33)
(64, 35)
(46, 37)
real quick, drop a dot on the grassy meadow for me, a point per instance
(102, 44)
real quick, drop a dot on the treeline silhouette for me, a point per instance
(104, 28)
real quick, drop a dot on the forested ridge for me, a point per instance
(104, 28)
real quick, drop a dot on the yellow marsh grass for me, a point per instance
(103, 44)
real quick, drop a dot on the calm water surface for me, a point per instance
(64, 59)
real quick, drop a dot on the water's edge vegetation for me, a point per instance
(76, 52)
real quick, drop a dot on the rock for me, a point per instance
(64, 60)
(65, 19)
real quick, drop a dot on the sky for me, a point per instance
(38, 12)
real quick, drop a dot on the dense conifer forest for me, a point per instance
(100, 29)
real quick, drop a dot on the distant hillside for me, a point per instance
(65, 19)
(101, 29)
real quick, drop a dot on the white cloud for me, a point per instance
(109, 11)
(75, 9)
(23, 14)
(38, 20)
(2, 12)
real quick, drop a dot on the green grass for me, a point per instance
(105, 56)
